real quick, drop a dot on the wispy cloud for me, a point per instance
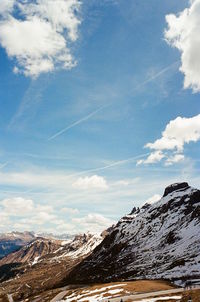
(116, 163)
(83, 119)
(31, 99)
(3, 165)
(46, 157)
(38, 178)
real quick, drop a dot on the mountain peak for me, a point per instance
(161, 241)
(175, 187)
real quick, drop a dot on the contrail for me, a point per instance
(116, 163)
(158, 74)
(83, 119)
(4, 165)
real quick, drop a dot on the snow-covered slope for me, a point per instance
(37, 250)
(160, 240)
(81, 246)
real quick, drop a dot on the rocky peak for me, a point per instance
(175, 187)
(161, 241)
(135, 211)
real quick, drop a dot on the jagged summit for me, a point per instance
(161, 241)
(175, 187)
(135, 211)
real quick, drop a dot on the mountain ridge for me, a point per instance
(160, 240)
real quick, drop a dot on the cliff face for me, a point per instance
(160, 240)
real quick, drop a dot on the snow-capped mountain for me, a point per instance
(55, 236)
(37, 250)
(81, 246)
(159, 240)
(43, 263)
(10, 242)
(34, 250)
(13, 241)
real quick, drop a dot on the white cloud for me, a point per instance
(6, 6)
(177, 133)
(17, 206)
(56, 180)
(183, 33)
(174, 159)
(27, 212)
(91, 182)
(152, 158)
(4, 220)
(36, 178)
(70, 211)
(153, 199)
(40, 39)
(21, 214)
(93, 222)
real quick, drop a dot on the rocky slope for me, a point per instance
(160, 240)
(13, 241)
(32, 251)
(43, 264)
(43, 249)
(10, 242)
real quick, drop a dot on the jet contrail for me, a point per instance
(83, 119)
(116, 163)
(4, 165)
(157, 74)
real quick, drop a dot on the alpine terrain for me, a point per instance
(10, 242)
(160, 240)
(43, 263)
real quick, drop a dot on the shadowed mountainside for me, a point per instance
(160, 240)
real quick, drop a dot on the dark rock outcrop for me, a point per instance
(175, 187)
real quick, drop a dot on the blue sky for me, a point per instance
(73, 130)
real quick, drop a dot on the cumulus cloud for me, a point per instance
(183, 34)
(94, 222)
(22, 214)
(25, 213)
(17, 206)
(6, 6)
(174, 159)
(91, 182)
(152, 158)
(40, 38)
(170, 146)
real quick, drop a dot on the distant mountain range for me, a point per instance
(10, 242)
(43, 263)
(13, 241)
